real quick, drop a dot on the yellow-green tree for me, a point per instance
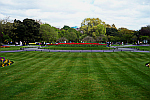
(93, 27)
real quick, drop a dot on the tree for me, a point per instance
(108, 26)
(79, 34)
(21, 32)
(48, 33)
(88, 39)
(71, 36)
(66, 27)
(1, 35)
(125, 34)
(101, 38)
(28, 30)
(145, 31)
(16, 31)
(113, 26)
(6, 28)
(93, 27)
(32, 29)
(62, 39)
(111, 31)
(82, 36)
(136, 34)
(134, 39)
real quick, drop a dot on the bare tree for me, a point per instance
(62, 39)
(89, 39)
(100, 38)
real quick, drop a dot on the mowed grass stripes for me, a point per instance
(57, 75)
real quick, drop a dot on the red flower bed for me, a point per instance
(5, 46)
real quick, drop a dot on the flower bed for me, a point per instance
(147, 64)
(4, 62)
(5, 46)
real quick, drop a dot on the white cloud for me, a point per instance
(132, 14)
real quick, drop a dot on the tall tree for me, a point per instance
(48, 33)
(71, 36)
(93, 27)
(32, 29)
(28, 30)
(16, 31)
(125, 34)
(6, 28)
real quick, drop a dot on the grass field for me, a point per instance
(145, 48)
(12, 48)
(47, 75)
(77, 48)
(58, 48)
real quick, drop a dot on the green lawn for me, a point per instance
(59, 48)
(57, 75)
(145, 48)
(77, 48)
(13, 48)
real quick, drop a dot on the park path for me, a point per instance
(117, 49)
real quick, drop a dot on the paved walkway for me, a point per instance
(36, 48)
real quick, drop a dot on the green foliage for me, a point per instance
(71, 36)
(32, 29)
(28, 30)
(125, 34)
(6, 30)
(93, 27)
(61, 33)
(66, 27)
(77, 47)
(145, 31)
(111, 31)
(5, 38)
(48, 33)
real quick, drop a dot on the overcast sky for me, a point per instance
(131, 14)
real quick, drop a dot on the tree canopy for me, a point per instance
(91, 30)
(93, 27)
(28, 30)
(48, 33)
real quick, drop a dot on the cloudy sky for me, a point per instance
(131, 14)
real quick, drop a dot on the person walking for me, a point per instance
(44, 43)
(11, 42)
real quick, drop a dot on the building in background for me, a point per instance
(76, 27)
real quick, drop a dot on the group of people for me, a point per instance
(109, 43)
(22, 43)
(43, 43)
